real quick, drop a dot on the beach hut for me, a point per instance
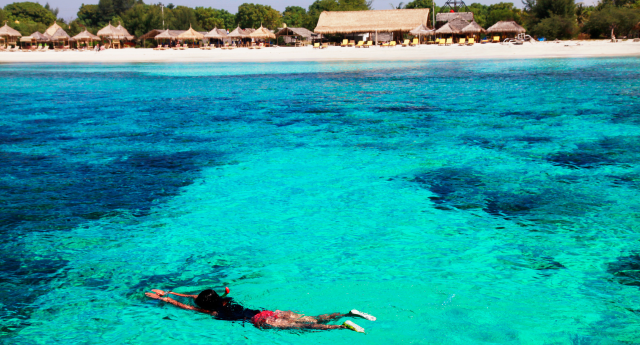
(60, 36)
(166, 35)
(303, 33)
(444, 18)
(9, 34)
(374, 21)
(127, 36)
(113, 34)
(87, 37)
(238, 34)
(421, 31)
(216, 34)
(473, 29)
(27, 39)
(52, 29)
(262, 33)
(191, 35)
(506, 29)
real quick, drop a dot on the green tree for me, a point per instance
(253, 15)
(105, 11)
(612, 20)
(295, 16)
(141, 19)
(563, 11)
(502, 11)
(52, 10)
(316, 8)
(480, 13)
(209, 18)
(29, 12)
(420, 4)
(181, 18)
(89, 16)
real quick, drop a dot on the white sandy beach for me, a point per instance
(563, 49)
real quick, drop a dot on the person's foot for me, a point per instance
(362, 315)
(352, 326)
(158, 292)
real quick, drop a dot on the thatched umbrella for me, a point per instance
(216, 33)
(190, 35)
(446, 30)
(86, 36)
(30, 39)
(457, 24)
(238, 33)
(7, 31)
(506, 27)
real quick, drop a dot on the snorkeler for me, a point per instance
(209, 302)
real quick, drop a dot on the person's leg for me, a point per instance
(281, 323)
(293, 317)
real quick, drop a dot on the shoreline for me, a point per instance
(562, 49)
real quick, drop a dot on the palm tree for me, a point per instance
(399, 7)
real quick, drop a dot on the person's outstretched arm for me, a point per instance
(162, 293)
(178, 304)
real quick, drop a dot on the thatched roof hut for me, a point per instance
(167, 35)
(473, 28)
(41, 37)
(216, 33)
(446, 17)
(86, 36)
(8, 31)
(190, 35)
(347, 22)
(29, 38)
(302, 32)
(60, 35)
(447, 30)
(125, 33)
(52, 29)
(111, 32)
(458, 23)
(238, 33)
(506, 26)
(262, 33)
(421, 30)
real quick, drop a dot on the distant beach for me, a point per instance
(561, 49)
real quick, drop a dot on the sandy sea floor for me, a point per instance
(562, 49)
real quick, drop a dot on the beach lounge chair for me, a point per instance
(483, 41)
(176, 47)
(449, 41)
(360, 44)
(386, 44)
(415, 42)
(368, 45)
(462, 42)
(471, 41)
(440, 41)
(405, 43)
(345, 43)
(260, 46)
(316, 46)
(392, 44)
(352, 43)
(324, 46)
(496, 39)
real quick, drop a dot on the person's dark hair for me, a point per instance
(209, 300)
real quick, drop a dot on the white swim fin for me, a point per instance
(352, 326)
(362, 315)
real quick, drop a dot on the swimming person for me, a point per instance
(209, 302)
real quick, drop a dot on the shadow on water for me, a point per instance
(607, 151)
(626, 270)
(40, 193)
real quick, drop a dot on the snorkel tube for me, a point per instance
(226, 291)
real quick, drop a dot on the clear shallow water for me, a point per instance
(459, 202)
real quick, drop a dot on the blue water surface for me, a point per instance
(466, 202)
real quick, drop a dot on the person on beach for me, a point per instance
(209, 302)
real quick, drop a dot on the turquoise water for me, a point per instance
(459, 202)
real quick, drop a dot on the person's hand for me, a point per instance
(152, 295)
(159, 292)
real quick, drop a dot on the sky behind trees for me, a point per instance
(69, 8)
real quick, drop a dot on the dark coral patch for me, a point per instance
(626, 270)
